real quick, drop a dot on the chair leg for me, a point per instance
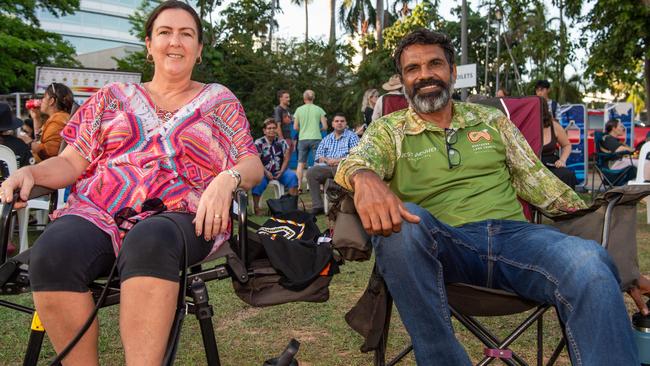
(203, 312)
(35, 342)
(540, 340)
(380, 352)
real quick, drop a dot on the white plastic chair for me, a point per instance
(640, 175)
(277, 186)
(43, 204)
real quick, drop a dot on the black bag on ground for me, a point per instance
(290, 262)
(282, 205)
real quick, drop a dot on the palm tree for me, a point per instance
(305, 3)
(379, 23)
(332, 41)
(356, 16)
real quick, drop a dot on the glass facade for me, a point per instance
(97, 25)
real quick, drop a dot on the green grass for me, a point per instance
(248, 336)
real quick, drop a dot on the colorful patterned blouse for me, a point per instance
(135, 154)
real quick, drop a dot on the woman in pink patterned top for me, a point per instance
(172, 147)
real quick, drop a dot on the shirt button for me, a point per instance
(172, 181)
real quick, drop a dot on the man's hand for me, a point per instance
(380, 210)
(268, 174)
(637, 292)
(559, 163)
(278, 175)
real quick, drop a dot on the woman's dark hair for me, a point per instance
(611, 124)
(62, 96)
(425, 37)
(173, 4)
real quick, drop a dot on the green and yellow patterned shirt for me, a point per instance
(497, 165)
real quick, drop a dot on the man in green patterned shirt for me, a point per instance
(437, 185)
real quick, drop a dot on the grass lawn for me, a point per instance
(248, 336)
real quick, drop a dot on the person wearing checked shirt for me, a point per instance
(331, 150)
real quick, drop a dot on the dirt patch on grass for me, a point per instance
(237, 318)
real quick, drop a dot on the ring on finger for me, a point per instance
(217, 216)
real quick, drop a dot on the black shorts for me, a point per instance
(72, 252)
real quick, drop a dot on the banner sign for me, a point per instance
(82, 82)
(465, 76)
(573, 118)
(622, 112)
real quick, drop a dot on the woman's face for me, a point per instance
(174, 43)
(48, 104)
(373, 99)
(620, 129)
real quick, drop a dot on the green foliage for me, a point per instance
(622, 40)
(26, 9)
(424, 15)
(25, 45)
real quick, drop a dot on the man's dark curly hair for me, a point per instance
(425, 37)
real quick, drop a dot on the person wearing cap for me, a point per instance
(9, 123)
(392, 101)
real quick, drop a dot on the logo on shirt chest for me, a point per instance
(413, 156)
(481, 141)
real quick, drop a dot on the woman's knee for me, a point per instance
(152, 248)
(69, 255)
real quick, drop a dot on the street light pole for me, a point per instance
(463, 44)
(498, 17)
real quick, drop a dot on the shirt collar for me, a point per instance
(459, 119)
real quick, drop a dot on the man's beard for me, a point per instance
(430, 102)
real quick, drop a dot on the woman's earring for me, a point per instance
(199, 60)
(149, 58)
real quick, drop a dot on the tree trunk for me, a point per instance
(379, 24)
(332, 22)
(306, 25)
(646, 70)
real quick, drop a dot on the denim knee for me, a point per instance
(410, 239)
(588, 262)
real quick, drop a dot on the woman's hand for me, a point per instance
(21, 179)
(213, 212)
(559, 163)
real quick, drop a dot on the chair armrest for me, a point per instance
(5, 216)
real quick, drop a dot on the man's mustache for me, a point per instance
(429, 82)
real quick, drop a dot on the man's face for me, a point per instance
(271, 130)
(285, 99)
(542, 92)
(339, 123)
(427, 78)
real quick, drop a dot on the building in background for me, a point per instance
(99, 30)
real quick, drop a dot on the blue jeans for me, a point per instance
(287, 179)
(535, 261)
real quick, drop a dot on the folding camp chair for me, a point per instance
(468, 301)
(14, 280)
(609, 178)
